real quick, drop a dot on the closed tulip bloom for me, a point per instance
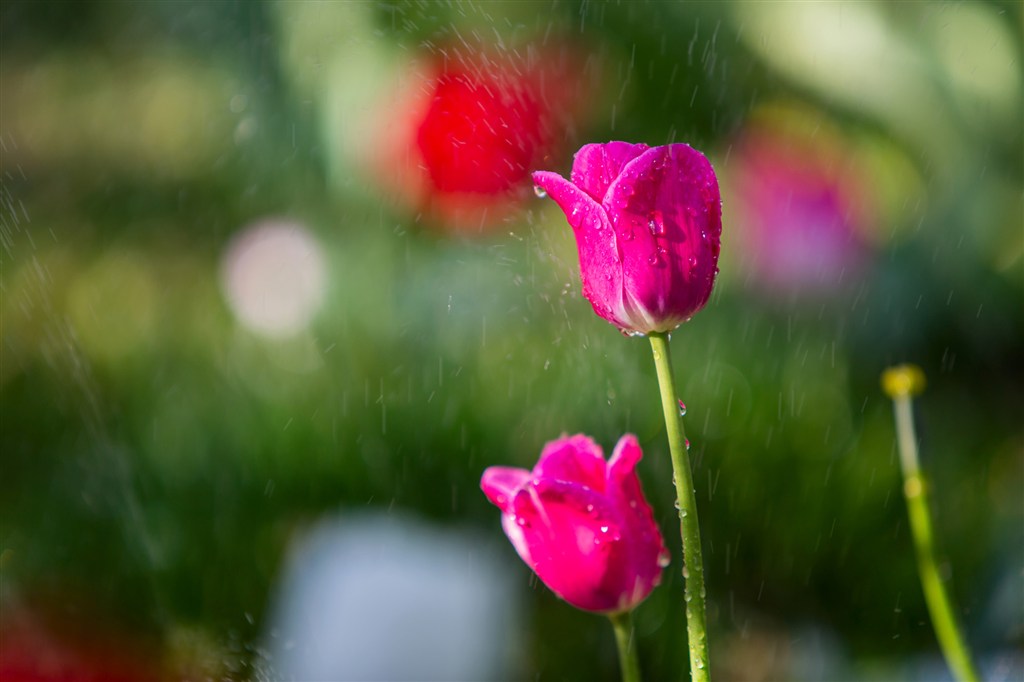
(648, 226)
(582, 523)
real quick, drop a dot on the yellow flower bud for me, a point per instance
(903, 381)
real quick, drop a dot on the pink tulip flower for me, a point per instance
(582, 524)
(648, 226)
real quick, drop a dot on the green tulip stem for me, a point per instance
(693, 563)
(901, 383)
(622, 623)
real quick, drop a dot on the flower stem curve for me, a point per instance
(693, 562)
(622, 623)
(901, 384)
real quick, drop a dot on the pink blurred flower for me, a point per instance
(801, 208)
(648, 225)
(582, 524)
(463, 138)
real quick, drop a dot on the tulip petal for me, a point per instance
(667, 200)
(500, 485)
(577, 459)
(595, 166)
(624, 488)
(622, 468)
(572, 539)
(582, 524)
(600, 264)
(646, 544)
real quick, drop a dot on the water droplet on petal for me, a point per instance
(664, 559)
(654, 260)
(539, 191)
(656, 224)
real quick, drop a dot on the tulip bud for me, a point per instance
(582, 524)
(648, 225)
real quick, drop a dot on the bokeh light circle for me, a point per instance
(273, 275)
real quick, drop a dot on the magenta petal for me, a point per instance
(578, 206)
(624, 487)
(649, 250)
(668, 199)
(572, 538)
(500, 485)
(600, 267)
(582, 524)
(622, 465)
(646, 544)
(575, 458)
(595, 166)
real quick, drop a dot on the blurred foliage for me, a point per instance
(158, 457)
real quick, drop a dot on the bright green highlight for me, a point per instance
(901, 383)
(693, 562)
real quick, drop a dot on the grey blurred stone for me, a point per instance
(384, 597)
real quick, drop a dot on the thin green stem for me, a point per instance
(622, 623)
(689, 529)
(940, 604)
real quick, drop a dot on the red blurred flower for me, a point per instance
(480, 132)
(471, 127)
(38, 646)
(582, 523)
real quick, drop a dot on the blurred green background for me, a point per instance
(166, 436)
